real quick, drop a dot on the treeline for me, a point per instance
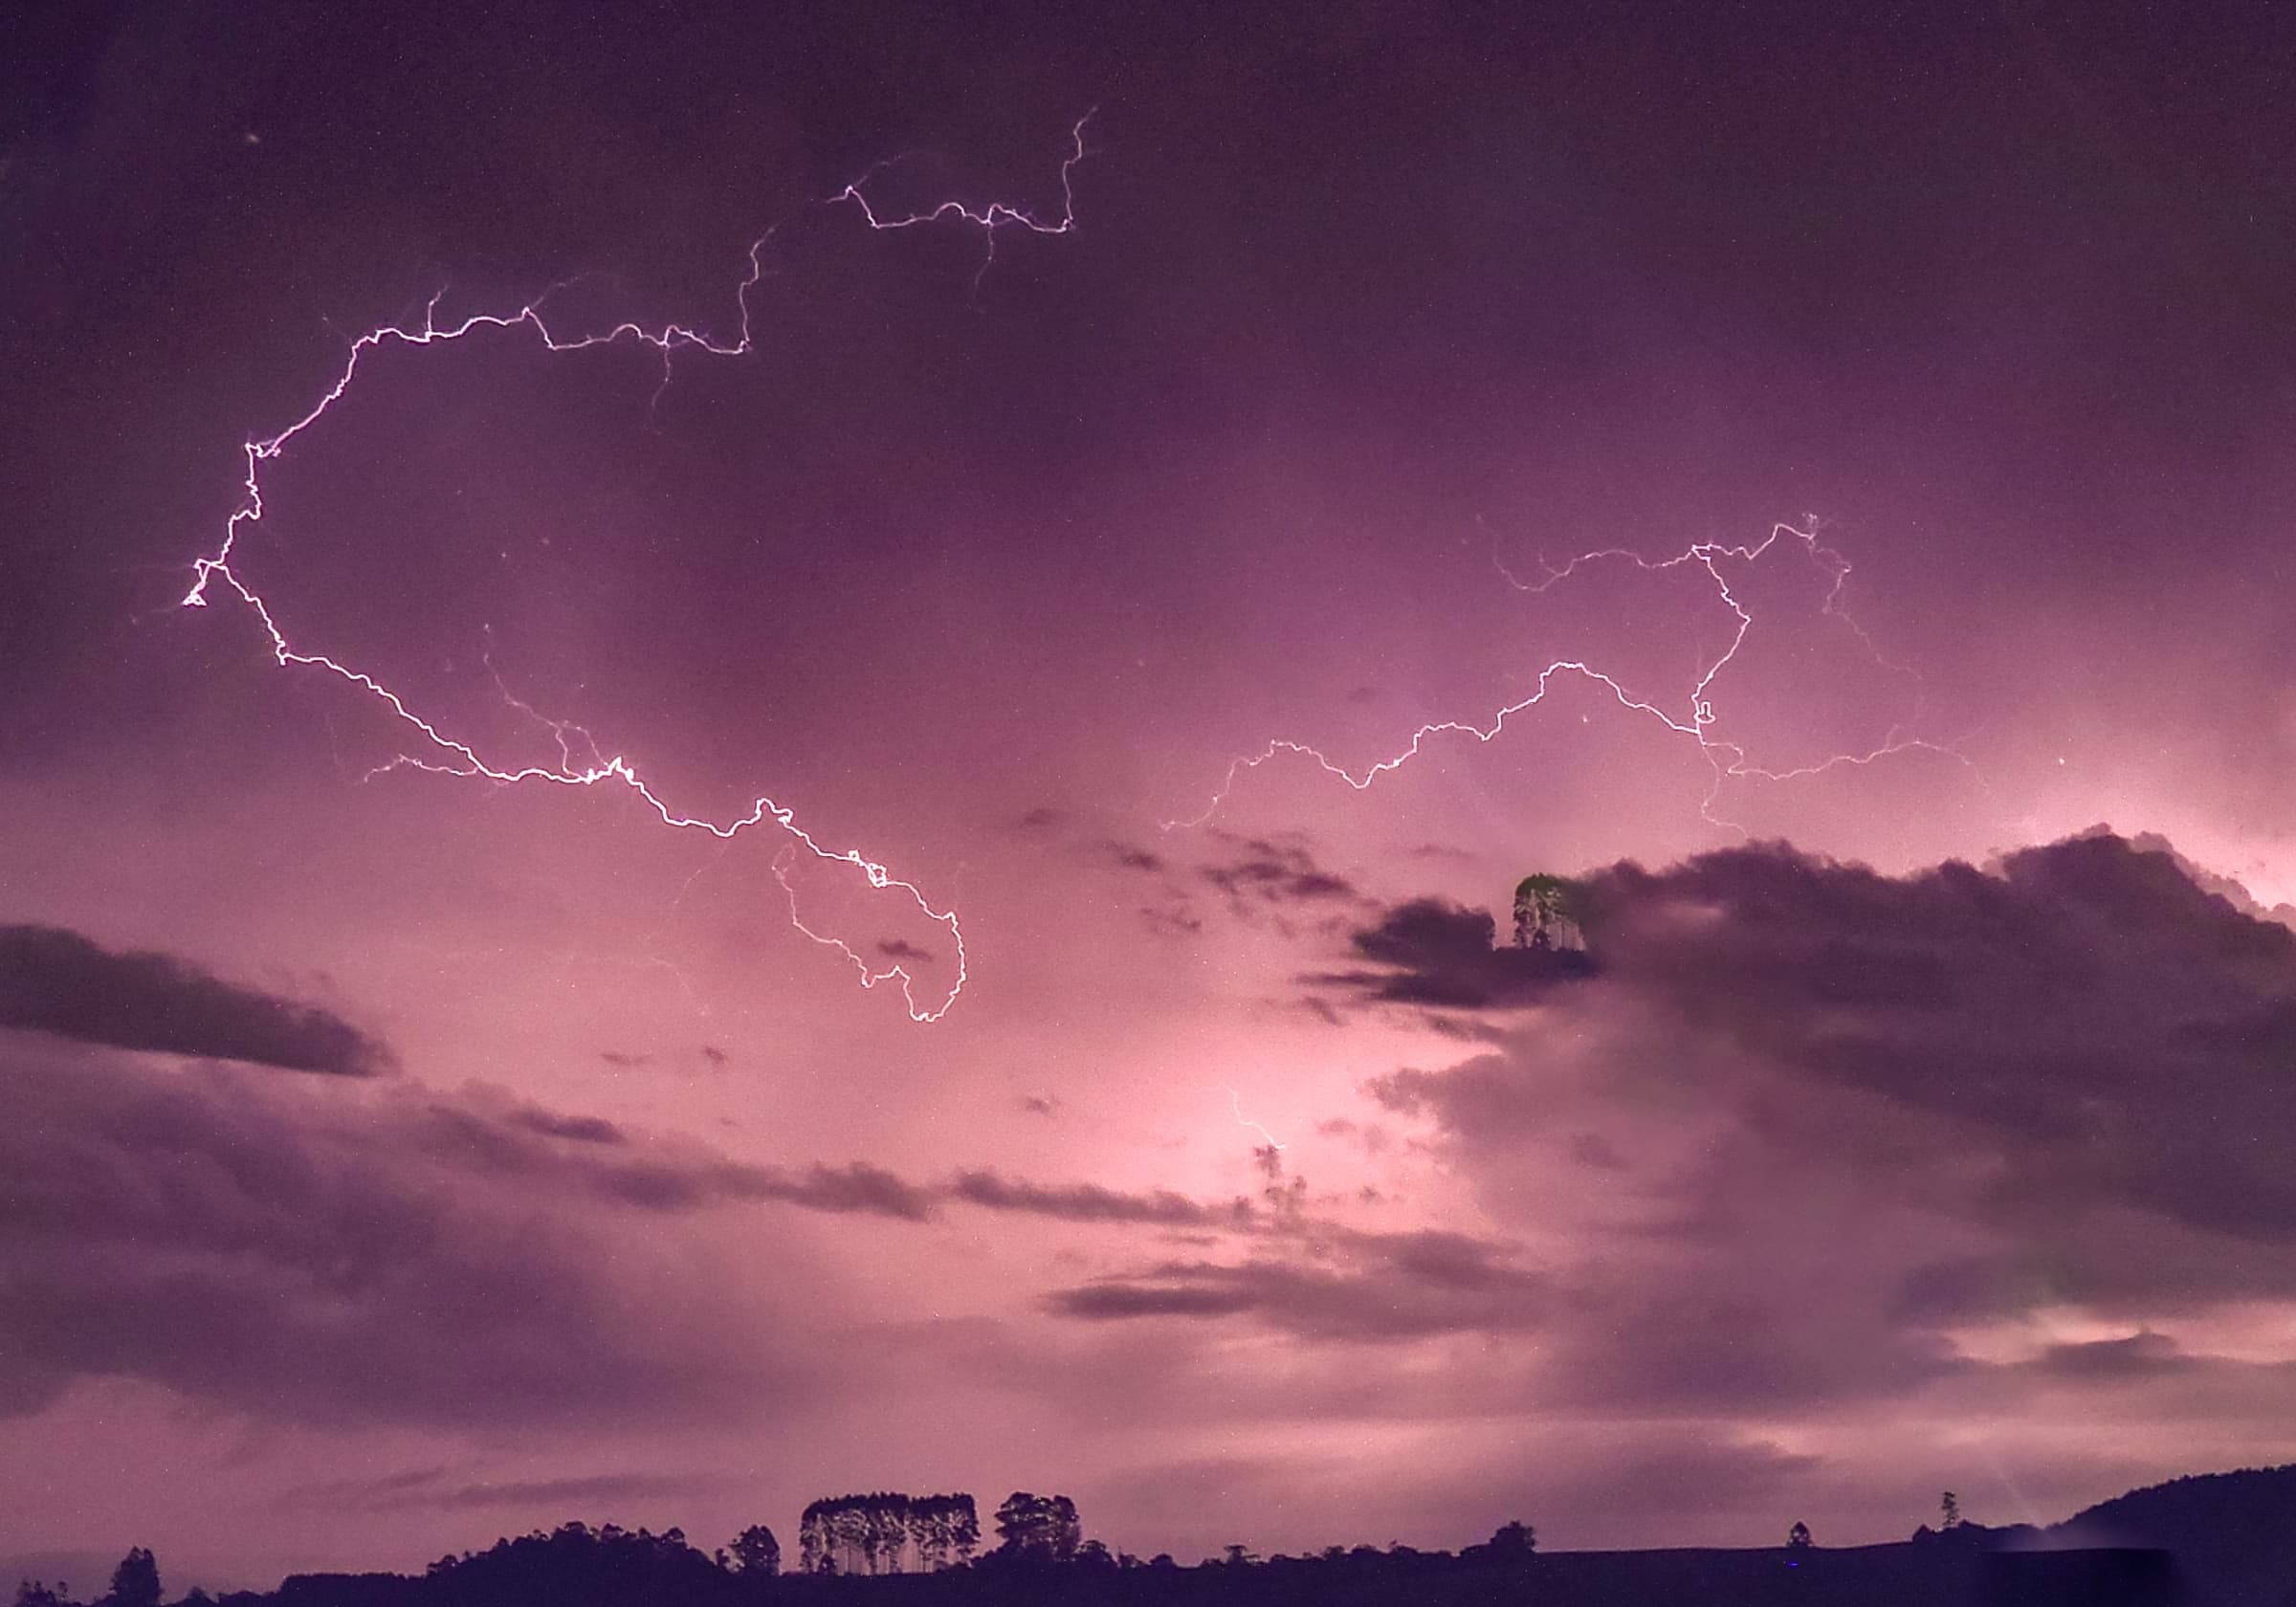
(935, 1540)
(885, 1532)
(577, 1566)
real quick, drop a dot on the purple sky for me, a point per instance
(397, 1159)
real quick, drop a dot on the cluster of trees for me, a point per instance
(884, 1532)
(135, 1583)
(1040, 1529)
(577, 1564)
(881, 1532)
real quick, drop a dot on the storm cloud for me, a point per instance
(1433, 953)
(57, 982)
(333, 1259)
(2085, 1005)
(1811, 1123)
(1324, 1284)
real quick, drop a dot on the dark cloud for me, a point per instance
(898, 948)
(442, 1487)
(1174, 923)
(326, 1257)
(1468, 1029)
(1039, 1104)
(2143, 1354)
(1259, 877)
(2226, 888)
(855, 1187)
(389, 1254)
(588, 1155)
(1089, 1202)
(689, 1184)
(1712, 1340)
(2115, 1033)
(1265, 872)
(57, 982)
(582, 1130)
(1808, 1121)
(1185, 1292)
(1128, 857)
(2084, 1011)
(622, 1061)
(1371, 1137)
(1173, 914)
(1430, 952)
(1365, 1288)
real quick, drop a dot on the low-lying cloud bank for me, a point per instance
(57, 982)
(1811, 1149)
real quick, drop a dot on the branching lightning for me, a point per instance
(1691, 720)
(439, 753)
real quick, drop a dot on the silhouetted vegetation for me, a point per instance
(884, 1532)
(574, 1566)
(1038, 1530)
(2233, 1537)
(2233, 1533)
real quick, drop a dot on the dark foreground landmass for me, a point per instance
(1910, 1574)
(2215, 1540)
(1877, 1575)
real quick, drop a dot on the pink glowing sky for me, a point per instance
(589, 1186)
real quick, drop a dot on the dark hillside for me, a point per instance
(2234, 1533)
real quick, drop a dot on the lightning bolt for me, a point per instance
(440, 752)
(1691, 719)
(1235, 1103)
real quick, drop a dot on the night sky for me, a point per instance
(393, 1160)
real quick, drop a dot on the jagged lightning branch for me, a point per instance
(443, 754)
(1727, 759)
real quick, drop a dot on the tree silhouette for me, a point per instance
(873, 1533)
(885, 1530)
(136, 1582)
(813, 1554)
(1546, 908)
(1038, 1528)
(945, 1529)
(1949, 1504)
(571, 1566)
(849, 1532)
(1797, 1538)
(757, 1552)
(1513, 1542)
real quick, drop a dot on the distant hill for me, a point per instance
(2234, 1534)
